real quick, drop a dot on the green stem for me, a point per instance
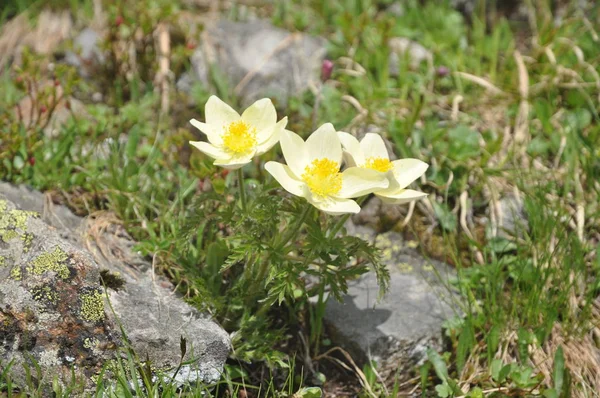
(240, 176)
(337, 226)
(293, 232)
(318, 318)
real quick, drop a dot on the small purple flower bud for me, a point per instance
(442, 71)
(326, 69)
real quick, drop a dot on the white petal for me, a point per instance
(372, 145)
(294, 152)
(212, 133)
(348, 159)
(352, 148)
(357, 181)
(400, 196)
(285, 178)
(335, 206)
(210, 150)
(408, 170)
(219, 114)
(324, 143)
(234, 163)
(262, 116)
(274, 137)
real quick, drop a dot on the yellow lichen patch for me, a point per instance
(12, 221)
(20, 217)
(2, 261)
(92, 306)
(27, 239)
(8, 234)
(16, 273)
(90, 344)
(323, 177)
(405, 267)
(44, 293)
(51, 261)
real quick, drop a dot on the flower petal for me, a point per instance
(285, 178)
(324, 143)
(210, 150)
(294, 152)
(372, 145)
(357, 181)
(335, 206)
(212, 133)
(234, 163)
(400, 196)
(262, 116)
(353, 154)
(408, 170)
(219, 114)
(274, 137)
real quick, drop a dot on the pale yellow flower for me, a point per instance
(233, 140)
(371, 154)
(313, 172)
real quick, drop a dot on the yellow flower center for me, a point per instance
(379, 164)
(239, 137)
(323, 177)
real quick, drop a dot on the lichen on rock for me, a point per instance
(13, 223)
(56, 261)
(92, 306)
(45, 294)
(51, 300)
(53, 305)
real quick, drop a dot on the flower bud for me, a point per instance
(326, 69)
(442, 71)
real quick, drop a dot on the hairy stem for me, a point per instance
(240, 176)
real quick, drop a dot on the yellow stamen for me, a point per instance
(379, 164)
(323, 177)
(239, 138)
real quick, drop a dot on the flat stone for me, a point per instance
(53, 305)
(50, 30)
(257, 59)
(86, 55)
(511, 217)
(397, 331)
(380, 216)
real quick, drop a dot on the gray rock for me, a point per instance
(511, 217)
(380, 216)
(257, 59)
(401, 47)
(50, 31)
(53, 306)
(86, 55)
(396, 9)
(396, 331)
